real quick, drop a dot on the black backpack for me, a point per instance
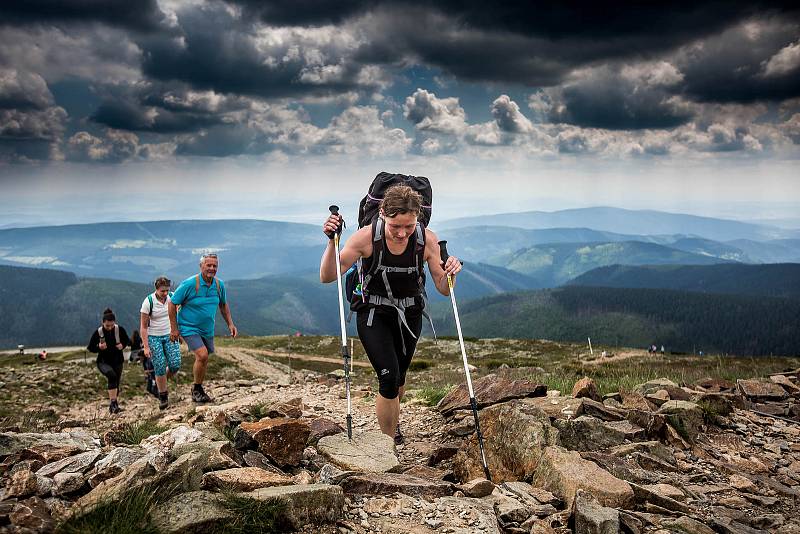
(357, 280)
(370, 205)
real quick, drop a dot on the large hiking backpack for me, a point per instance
(356, 280)
(370, 205)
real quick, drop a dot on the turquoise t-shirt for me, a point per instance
(198, 308)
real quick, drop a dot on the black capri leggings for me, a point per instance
(384, 345)
(112, 372)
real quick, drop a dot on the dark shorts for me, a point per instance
(195, 341)
(388, 347)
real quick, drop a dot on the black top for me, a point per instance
(403, 284)
(111, 355)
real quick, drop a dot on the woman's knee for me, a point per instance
(387, 385)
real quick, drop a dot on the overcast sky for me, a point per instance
(132, 110)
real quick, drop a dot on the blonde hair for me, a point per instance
(401, 199)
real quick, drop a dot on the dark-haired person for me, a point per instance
(107, 342)
(387, 325)
(199, 296)
(163, 354)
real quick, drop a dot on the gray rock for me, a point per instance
(510, 510)
(587, 434)
(479, 487)
(686, 417)
(482, 510)
(12, 442)
(564, 472)
(243, 479)
(80, 463)
(218, 454)
(113, 464)
(330, 474)
(687, 525)
(515, 434)
(592, 518)
(32, 513)
(195, 511)
(371, 452)
(67, 483)
(310, 503)
(489, 390)
(256, 459)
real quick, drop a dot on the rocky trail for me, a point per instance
(663, 458)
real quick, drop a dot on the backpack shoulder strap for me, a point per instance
(219, 289)
(100, 333)
(196, 284)
(116, 333)
(150, 300)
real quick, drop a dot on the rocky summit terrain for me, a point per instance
(270, 455)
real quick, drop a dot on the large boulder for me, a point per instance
(282, 440)
(587, 434)
(563, 473)
(195, 511)
(490, 389)
(685, 417)
(557, 407)
(218, 455)
(592, 518)
(515, 433)
(761, 390)
(13, 443)
(113, 464)
(370, 451)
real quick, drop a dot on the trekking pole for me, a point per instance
(345, 352)
(472, 402)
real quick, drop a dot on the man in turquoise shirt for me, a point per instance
(199, 297)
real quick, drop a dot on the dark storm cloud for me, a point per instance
(737, 65)
(220, 52)
(143, 15)
(612, 99)
(303, 12)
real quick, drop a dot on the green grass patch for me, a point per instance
(134, 433)
(251, 515)
(431, 395)
(131, 515)
(420, 365)
(258, 411)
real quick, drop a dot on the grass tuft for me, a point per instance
(134, 433)
(131, 515)
(420, 365)
(252, 515)
(431, 395)
(258, 411)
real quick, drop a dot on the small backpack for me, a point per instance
(103, 336)
(150, 299)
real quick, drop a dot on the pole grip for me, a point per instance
(334, 209)
(443, 250)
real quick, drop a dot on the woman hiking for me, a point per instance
(165, 355)
(390, 320)
(107, 342)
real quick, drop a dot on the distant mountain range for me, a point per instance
(554, 264)
(774, 280)
(141, 251)
(251, 249)
(622, 221)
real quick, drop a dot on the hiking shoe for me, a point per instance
(398, 436)
(163, 401)
(198, 395)
(113, 407)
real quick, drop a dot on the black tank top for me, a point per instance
(403, 284)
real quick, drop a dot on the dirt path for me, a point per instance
(310, 358)
(253, 365)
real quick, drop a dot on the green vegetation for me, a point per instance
(134, 433)
(431, 395)
(131, 515)
(420, 365)
(252, 515)
(774, 280)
